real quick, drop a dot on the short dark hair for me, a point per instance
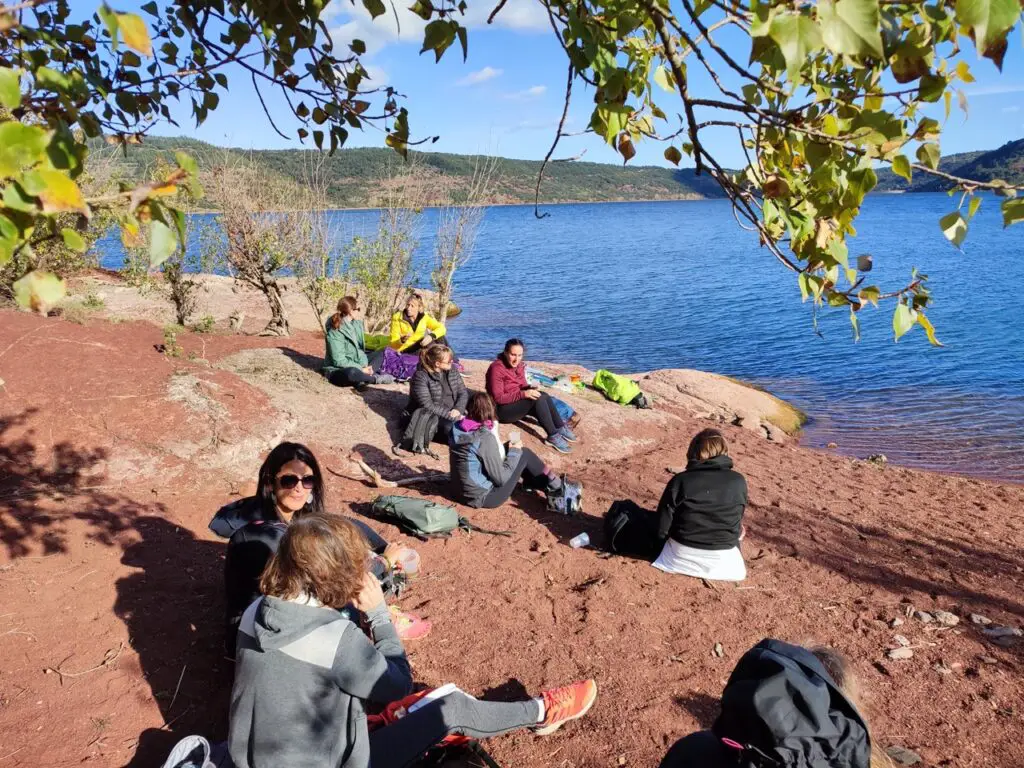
(276, 459)
(320, 556)
(514, 343)
(481, 408)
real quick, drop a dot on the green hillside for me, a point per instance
(353, 174)
(1006, 163)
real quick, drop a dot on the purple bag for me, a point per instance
(399, 365)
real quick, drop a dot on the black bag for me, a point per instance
(631, 530)
(419, 432)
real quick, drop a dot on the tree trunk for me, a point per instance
(278, 325)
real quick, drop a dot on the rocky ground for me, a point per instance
(114, 455)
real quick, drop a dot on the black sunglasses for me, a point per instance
(290, 481)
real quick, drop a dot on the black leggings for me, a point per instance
(530, 468)
(543, 409)
(350, 377)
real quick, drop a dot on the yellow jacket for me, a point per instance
(400, 326)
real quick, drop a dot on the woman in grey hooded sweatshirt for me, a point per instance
(305, 671)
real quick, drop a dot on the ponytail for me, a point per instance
(346, 308)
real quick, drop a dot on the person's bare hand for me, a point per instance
(370, 594)
(427, 339)
(743, 531)
(454, 414)
(368, 370)
(393, 551)
(531, 394)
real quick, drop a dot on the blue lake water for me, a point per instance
(639, 286)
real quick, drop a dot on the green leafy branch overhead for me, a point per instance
(818, 93)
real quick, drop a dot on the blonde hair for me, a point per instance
(431, 357)
(707, 444)
(415, 298)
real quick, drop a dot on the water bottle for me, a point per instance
(582, 540)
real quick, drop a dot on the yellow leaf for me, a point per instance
(61, 194)
(964, 72)
(929, 329)
(135, 34)
(39, 291)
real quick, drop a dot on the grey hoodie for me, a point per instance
(476, 462)
(302, 674)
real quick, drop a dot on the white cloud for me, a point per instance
(996, 90)
(480, 76)
(534, 92)
(520, 15)
(1011, 109)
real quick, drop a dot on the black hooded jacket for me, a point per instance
(702, 507)
(780, 709)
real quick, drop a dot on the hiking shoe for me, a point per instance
(568, 434)
(559, 443)
(383, 378)
(566, 703)
(408, 626)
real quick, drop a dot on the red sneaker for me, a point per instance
(409, 627)
(566, 703)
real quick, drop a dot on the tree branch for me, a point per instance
(554, 144)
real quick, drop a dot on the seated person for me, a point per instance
(784, 706)
(515, 399)
(306, 673)
(346, 363)
(483, 471)
(438, 388)
(289, 486)
(700, 516)
(412, 329)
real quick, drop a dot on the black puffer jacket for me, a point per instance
(780, 709)
(703, 506)
(438, 392)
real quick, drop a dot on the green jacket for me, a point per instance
(346, 347)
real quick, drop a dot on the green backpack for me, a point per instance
(616, 388)
(422, 518)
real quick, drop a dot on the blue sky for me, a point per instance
(507, 97)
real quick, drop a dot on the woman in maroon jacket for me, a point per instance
(506, 383)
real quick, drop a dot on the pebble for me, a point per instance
(897, 622)
(901, 641)
(947, 619)
(878, 458)
(942, 669)
(1003, 636)
(977, 618)
(988, 659)
(924, 617)
(902, 755)
(900, 653)
(718, 650)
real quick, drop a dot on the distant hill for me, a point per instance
(1006, 163)
(353, 174)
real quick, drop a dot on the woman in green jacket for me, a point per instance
(346, 363)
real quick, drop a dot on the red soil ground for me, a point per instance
(110, 615)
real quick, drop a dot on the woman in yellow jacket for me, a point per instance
(412, 329)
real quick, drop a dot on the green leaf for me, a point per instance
(1013, 211)
(358, 47)
(972, 209)
(73, 240)
(673, 155)
(929, 329)
(869, 294)
(954, 228)
(21, 146)
(39, 291)
(110, 20)
(10, 88)
(162, 243)
(851, 27)
(438, 35)
(903, 319)
(133, 30)
(901, 166)
(797, 36)
(931, 88)
(929, 154)
(375, 7)
(664, 79)
(187, 163)
(805, 288)
(989, 19)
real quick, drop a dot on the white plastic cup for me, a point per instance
(409, 562)
(582, 540)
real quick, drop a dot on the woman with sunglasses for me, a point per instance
(289, 486)
(346, 363)
(305, 672)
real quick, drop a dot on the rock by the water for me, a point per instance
(878, 458)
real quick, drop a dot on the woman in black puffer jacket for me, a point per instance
(436, 392)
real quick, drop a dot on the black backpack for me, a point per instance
(419, 432)
(631, 530)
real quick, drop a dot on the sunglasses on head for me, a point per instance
(290, 481)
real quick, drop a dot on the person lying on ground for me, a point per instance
(439, 389)
(346, 363)
(516, 399)
(305, 673)
(700, 516)
(786, 707)
(413, 329)
(289, 486)
(484, 472)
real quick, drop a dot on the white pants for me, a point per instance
(714, 564)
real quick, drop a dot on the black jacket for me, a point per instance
(702, 507)
(782, 710)
(438, 392)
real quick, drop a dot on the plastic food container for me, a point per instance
(409, 562)
(582, 540)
